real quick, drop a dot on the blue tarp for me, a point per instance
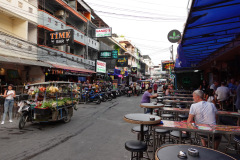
(212, 24)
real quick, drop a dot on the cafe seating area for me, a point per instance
(166, 127)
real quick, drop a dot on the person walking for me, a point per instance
(9, 96)
(155, 87)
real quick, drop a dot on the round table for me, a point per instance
(139, 118)
(151, 105)
(170, 152)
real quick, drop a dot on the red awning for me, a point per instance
(73, 68)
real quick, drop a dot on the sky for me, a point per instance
(145, 22)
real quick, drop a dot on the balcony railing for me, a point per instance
(50, 22)
(17, 47)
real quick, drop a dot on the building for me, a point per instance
(149, 66)
(19, 60)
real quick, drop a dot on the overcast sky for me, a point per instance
(145, 23)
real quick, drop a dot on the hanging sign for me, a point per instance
(104, 32)
(167, 65)
(134, 70)
(100, 66)
(122, 61)
(108, 54)
(61, 37)
(174, 36)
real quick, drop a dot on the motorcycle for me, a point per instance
(26, 113)
(90, 96)
(128, 91)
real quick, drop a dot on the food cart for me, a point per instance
(48, 101)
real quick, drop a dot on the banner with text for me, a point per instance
(104, 32)
(122, 61)
(100, 66)
(61, 37)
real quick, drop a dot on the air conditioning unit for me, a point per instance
(60, 13)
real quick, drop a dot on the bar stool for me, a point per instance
(175, 135)
(136, 147)
(167, 116)
(182, 117)
(235, 146)
(137, 130)
(161, 136)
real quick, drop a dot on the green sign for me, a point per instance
(108, 54)
(174, 36)
(115, 54)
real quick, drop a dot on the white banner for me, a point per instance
(104, 32)
(100, 66)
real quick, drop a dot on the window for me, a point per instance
(81, 36)
(20, 4)
(62, 26)
(56, 23)
(30, 10)
(49, 20)
(29, 48)
(78, 34)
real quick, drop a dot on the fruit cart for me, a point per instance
(49, 101)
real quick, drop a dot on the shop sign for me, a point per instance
(61, 37)
(122, 61)
(100, 66)
(104, 32)
(167, 65)
(108, 54)
(115, 54)
(174, 36)
(134, 70)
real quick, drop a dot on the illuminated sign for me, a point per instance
(134, 70)
(174, 36)
(122, 61)
(60, 37)
(108, 54)
(167, 65)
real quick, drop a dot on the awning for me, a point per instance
(72, 68)
(23, 61)
(211, 26)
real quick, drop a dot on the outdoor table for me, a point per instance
(178, 101)
(151, 105)
(140, 118)
(177, 97)
(179, 94)
(170, 152)
(182, 91)
(202, 128)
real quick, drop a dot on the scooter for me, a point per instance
(90, 96)
(26, 113)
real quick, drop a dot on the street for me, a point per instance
(95, 132)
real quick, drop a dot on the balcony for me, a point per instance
(52, 23)
(21, 8)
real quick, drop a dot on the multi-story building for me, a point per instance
(18, 38)
(149, 66)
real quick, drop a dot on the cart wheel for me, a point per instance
(22, 121)
(67, 118)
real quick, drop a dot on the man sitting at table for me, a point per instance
(146, 98)
(203, 113)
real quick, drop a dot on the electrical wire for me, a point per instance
(133, 11)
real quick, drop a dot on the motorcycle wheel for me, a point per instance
(104, 98)
(22, 121)
(98, 101)
(109, 98)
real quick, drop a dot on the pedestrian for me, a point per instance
(9, 102)
(146, 98)
(214, 86)
(222, 94)
(80, 86)
(203, 113)
(155, 87)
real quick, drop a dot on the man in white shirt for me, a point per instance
(203, 113)
(214, 86)
(222, 93)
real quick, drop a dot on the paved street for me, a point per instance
(95, 132)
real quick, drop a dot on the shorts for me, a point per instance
(205, 136)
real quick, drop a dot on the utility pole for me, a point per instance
(171, 51)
